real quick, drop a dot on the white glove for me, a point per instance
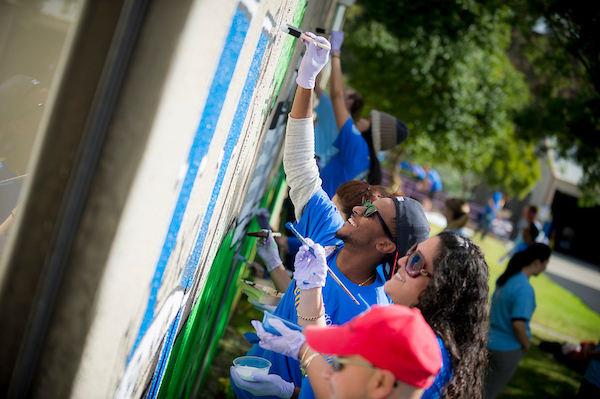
(337, 38)
(313, 61)
(264, 385)
(310, 271)
(268, 252)
(288, 344)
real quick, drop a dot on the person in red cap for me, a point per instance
(386, 352)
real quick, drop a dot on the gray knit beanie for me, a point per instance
(387, 131)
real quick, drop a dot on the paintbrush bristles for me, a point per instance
(291, 30)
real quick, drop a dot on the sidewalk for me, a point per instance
(574, 270)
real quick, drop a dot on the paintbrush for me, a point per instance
(331, 273)
(296, 32)
(262, 234)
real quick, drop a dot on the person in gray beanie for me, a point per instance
(358, 141)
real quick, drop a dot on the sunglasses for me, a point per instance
(372, 210)
(337, 363)
(415, 264)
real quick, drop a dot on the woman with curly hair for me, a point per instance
(454, 304)
(445, 277)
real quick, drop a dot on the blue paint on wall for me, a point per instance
(164, 357)
(231, 141)
(199, 149)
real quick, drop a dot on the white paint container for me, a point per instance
(248, 365)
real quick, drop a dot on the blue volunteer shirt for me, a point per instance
(350, 163)
(320, 221)
(444, 375)
(513, 301)
(436, 180)
(326, 130)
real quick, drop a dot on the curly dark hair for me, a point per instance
(455, 305)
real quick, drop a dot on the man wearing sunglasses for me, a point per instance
(361, 250)
(386, 352)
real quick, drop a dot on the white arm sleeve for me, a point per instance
(299, 164)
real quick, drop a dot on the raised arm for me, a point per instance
(335, 81)
(299, 162)
(310, 273)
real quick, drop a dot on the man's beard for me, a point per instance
(345, 237)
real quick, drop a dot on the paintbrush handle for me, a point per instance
(318, 43)
(337, 280)
(291, 227)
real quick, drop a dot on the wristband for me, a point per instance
(313, 318)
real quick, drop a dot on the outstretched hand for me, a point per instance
(310, 271)
(313, 61)
(337, 38)
(269, 252)
(264, 385)
(288, 344)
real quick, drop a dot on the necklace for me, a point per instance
(366, 281)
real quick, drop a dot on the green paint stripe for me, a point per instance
(288, 49)
(196, 343)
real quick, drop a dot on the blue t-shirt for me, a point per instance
(326, 130)
(320, 221)
(444, 375)
(435, 180)
(350, 163)
(514, 300)
(592, 374)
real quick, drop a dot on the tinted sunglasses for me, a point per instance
(337, 363)
(415, 264)
(372, 210)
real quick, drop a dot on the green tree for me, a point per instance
(562, 64)
(443, 68)
(509, 157)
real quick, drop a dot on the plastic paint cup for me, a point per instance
(248, 365)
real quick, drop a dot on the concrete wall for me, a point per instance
(187, 160)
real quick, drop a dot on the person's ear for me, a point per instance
(386, 246)
(384, 383)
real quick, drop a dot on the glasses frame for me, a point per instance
(372, 210)
(410, 270)
(338, 362)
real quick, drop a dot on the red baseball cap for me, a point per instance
(394, 338)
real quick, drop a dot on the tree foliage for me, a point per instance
(563, 71)
(475, 82)
(447, 76)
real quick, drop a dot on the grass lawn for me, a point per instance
(539, 375)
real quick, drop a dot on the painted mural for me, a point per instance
(192, 294)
